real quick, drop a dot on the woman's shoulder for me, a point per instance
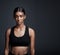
(31, 31)
(8, 30)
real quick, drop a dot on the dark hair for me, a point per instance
(21, 9)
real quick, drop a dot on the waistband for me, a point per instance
(13, 54)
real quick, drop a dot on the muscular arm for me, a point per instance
(32, 36)
(7, 33)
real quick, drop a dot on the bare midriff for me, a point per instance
(19, 50)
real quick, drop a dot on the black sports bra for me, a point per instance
(19, 41)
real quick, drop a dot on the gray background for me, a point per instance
(42, 15)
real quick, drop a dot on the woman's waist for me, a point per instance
(19, 49)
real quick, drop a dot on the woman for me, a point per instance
(20, 36)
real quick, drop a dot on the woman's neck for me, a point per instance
(20, 26)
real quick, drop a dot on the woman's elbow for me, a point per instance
(32, 51)
(6, 51)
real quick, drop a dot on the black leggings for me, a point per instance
(13, 54)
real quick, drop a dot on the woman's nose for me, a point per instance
(19, 17)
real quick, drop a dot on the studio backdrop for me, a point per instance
(42, 15)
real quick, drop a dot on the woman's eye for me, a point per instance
(17, 16)
(21, 15)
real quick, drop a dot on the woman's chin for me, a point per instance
(19, 23)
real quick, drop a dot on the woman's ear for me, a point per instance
(25, 17)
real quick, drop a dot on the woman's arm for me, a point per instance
(32, 36)
(7, 33)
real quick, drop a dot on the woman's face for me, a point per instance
(19, 17)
